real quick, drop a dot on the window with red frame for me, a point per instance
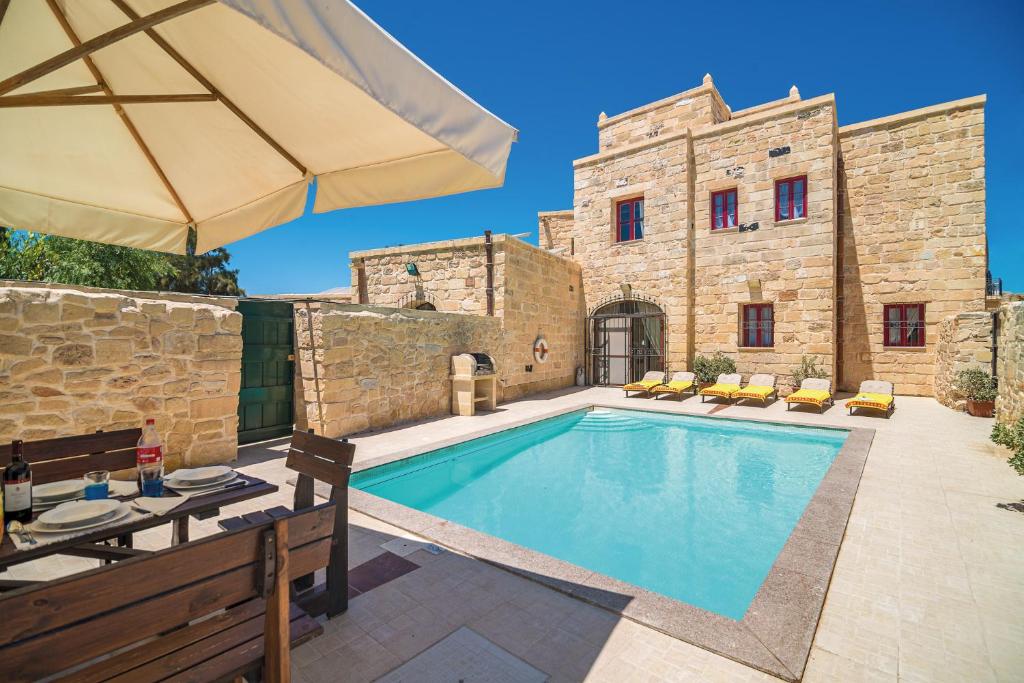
(629, 219)
(791, 198)
(724, 210)
(904, 324)
(758, 329)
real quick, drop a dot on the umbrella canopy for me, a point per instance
(127, 121)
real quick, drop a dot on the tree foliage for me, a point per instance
(202, 274)
(49, 258)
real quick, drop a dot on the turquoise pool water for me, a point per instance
(690, 507)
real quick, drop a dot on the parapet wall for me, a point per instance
(74, 360)
(375, 367)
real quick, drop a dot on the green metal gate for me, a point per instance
(266, 398)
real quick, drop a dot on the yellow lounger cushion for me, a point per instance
(674, 387)
(815, 396)
(754, 392)
(642, 385)
(868, 400)
(723, 390)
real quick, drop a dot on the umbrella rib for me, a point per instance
(54, 100)
(83, 49)
(77, 90)
(206, 83)
(94, 70)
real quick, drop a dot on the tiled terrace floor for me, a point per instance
(928, 585)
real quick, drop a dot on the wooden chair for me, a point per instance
(137, 620)
(317, 458)
(70, 457)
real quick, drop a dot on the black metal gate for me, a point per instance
(625, 339)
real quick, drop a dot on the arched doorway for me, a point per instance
(626, 339)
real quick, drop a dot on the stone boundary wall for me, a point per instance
(964, 342)
(377, 367)
(1010, 362)
(77, 359)
(543, 297)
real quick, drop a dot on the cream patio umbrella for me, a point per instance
(128, 121)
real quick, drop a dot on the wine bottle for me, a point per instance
(17, 484)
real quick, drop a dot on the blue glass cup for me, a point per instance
(97, 485)
(152, 482)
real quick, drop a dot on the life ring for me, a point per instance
(541, 350)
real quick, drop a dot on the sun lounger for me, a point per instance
(681, 383)
(650, 380)
(759, 388)
(725, 387)
(874, 394)
(813, 391)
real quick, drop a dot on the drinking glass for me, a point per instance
(97, 485)
(152, 482)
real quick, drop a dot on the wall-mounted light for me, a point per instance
(412, 269)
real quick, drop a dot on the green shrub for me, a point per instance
(708, 369)
(1013, 438)
(808, 369)
(976, 385)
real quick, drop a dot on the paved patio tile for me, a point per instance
(928, 584)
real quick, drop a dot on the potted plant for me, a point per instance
(808, 368)
(707, 369)
(980, 390)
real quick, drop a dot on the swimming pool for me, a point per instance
(693, 508)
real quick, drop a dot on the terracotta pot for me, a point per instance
(981, 408)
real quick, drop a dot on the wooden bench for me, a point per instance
(210, 610)
(70, 457)
(317, 458)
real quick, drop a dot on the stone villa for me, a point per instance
(765, 233)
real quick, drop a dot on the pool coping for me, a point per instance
(776, 632)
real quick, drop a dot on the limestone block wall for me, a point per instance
(789, 264)
(912, 231)
(555, 231)
(74, 360)
(376, 367)
(655, 266)
(452, 275)
(964, 343)
(693, 108)
(543, 297)
(1010, 362)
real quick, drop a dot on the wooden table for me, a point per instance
(201, 507)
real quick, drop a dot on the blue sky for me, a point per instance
(549, 68)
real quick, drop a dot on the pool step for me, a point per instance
(606, 421)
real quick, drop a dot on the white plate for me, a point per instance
(44, 505)
(173, 483)
(199, 476)
(122, 511)
(58, 490)
(78, 511)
